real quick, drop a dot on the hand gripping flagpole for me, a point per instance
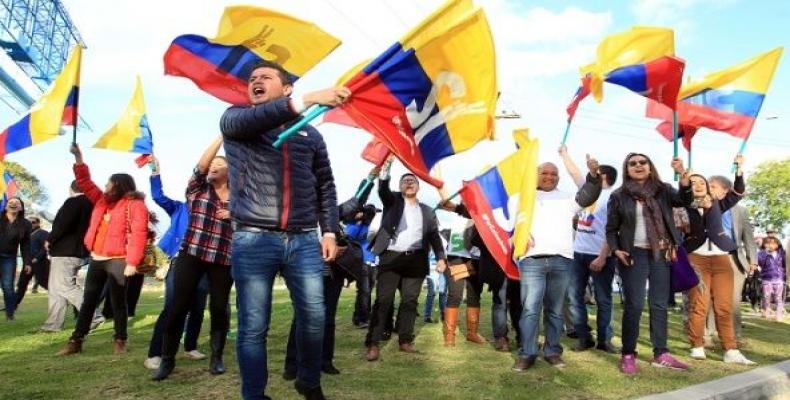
(740, 151)
(311, 114)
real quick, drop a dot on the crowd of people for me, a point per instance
(261, 211)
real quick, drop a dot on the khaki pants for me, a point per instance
(737, 293)
(717, 276)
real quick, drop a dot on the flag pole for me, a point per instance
(567, 129)
(675, 138)
(311, 114)
(364, 187)
(447, 199)
(689, 153)
(740, 151)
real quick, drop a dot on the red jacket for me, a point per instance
(127, 214)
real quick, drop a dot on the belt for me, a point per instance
(406, 253)
(539, 256)
(257, 229)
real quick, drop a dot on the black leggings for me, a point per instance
(455, 289)
(100, 273)
(189, 271)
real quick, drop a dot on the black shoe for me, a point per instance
(361, 325)
(429, 321)
(166, 366)
(608, 347)
(330, 369)
(311, 393)
(289, 375)
(583, 345)
(216, 366)
(572, 335)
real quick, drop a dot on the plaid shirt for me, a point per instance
(207, 237)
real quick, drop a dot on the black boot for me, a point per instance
(216, 367)
(166, 366)
(309, 394)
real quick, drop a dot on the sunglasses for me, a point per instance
(634, 163)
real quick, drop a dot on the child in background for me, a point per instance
(773, 274)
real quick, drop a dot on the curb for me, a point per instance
(771, 382)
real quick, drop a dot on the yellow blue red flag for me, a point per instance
(247, 35)
(430, 97)
(131, 133)
(501, 202)
(57, 107)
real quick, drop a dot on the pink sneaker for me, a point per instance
(667, 361)
(628, 364)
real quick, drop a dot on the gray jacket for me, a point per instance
(744, 237)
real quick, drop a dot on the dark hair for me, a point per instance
(722, 180)
(285, 77)
(409, 174)
(707, 185)
(653, 172)
(75, 187)
(22, 203)
(35, 220)
(610, 172)
(122, 184)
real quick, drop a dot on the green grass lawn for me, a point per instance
(28, 369)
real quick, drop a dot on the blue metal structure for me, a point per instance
(38, 36)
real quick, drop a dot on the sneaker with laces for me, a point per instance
(698, 353)
(667, 361)
(152, 362)
(628, 364)
(194, 355)
(734, 356)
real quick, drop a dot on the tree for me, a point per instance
(768, 197)
(30, 190)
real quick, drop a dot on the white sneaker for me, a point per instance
(698, 353)
(152, 362)
(735, 356)
(194, 355)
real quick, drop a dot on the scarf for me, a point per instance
(657, 234)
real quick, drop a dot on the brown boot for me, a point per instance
(74, 346)
(118, 347)
(472, 323)
(450, 322)
(502, 344)
(372, 353)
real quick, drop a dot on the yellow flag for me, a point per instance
(753, 75)
(131, 133)
(528, 150)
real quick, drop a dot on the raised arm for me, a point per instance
(591, 189)
(246, 123)
(385, 194)
(83, 175)
(738, 187)
(208, 155)
(570, 166)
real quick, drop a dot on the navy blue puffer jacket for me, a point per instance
(290, 188)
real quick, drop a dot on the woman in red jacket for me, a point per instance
(116, 238)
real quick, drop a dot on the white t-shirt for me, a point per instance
(552, 224)
(409, 233)
(455, 246)
(640, 229)
(709, 248)
(591, 229)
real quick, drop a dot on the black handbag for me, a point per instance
(351, 260)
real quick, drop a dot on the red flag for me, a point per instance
(376, 153)
(659, 79)
(581, 93)
(143, 160)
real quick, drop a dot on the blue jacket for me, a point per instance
(179, 218)
(290, 188)
(359, 233)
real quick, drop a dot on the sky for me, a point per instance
(540, 46)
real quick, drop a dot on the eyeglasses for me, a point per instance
(634, 163)
(408, 181)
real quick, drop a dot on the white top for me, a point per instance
(409, 233)
(552, 224)
(709, 248)
(455, 246)
(591, 229)
(640, 229)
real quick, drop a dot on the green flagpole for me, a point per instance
(567, 129)
(675, 138)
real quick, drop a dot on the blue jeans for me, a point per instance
(602, 285)
(544, 282)
(194, 320)
(7, 273)
(437, 284)
(256, 258)
(635, 279)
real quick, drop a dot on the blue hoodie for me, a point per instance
(170, 242)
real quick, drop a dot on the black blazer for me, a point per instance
(621, 215)
(393, 210)
(708, 225)
(69, 227)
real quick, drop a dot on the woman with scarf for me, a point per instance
(709, 246)
(14, 236)
(641, 232)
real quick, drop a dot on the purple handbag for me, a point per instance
(682, 274)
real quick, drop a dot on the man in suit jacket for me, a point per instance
(735, 222)
(409, 230)
(68, 254)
